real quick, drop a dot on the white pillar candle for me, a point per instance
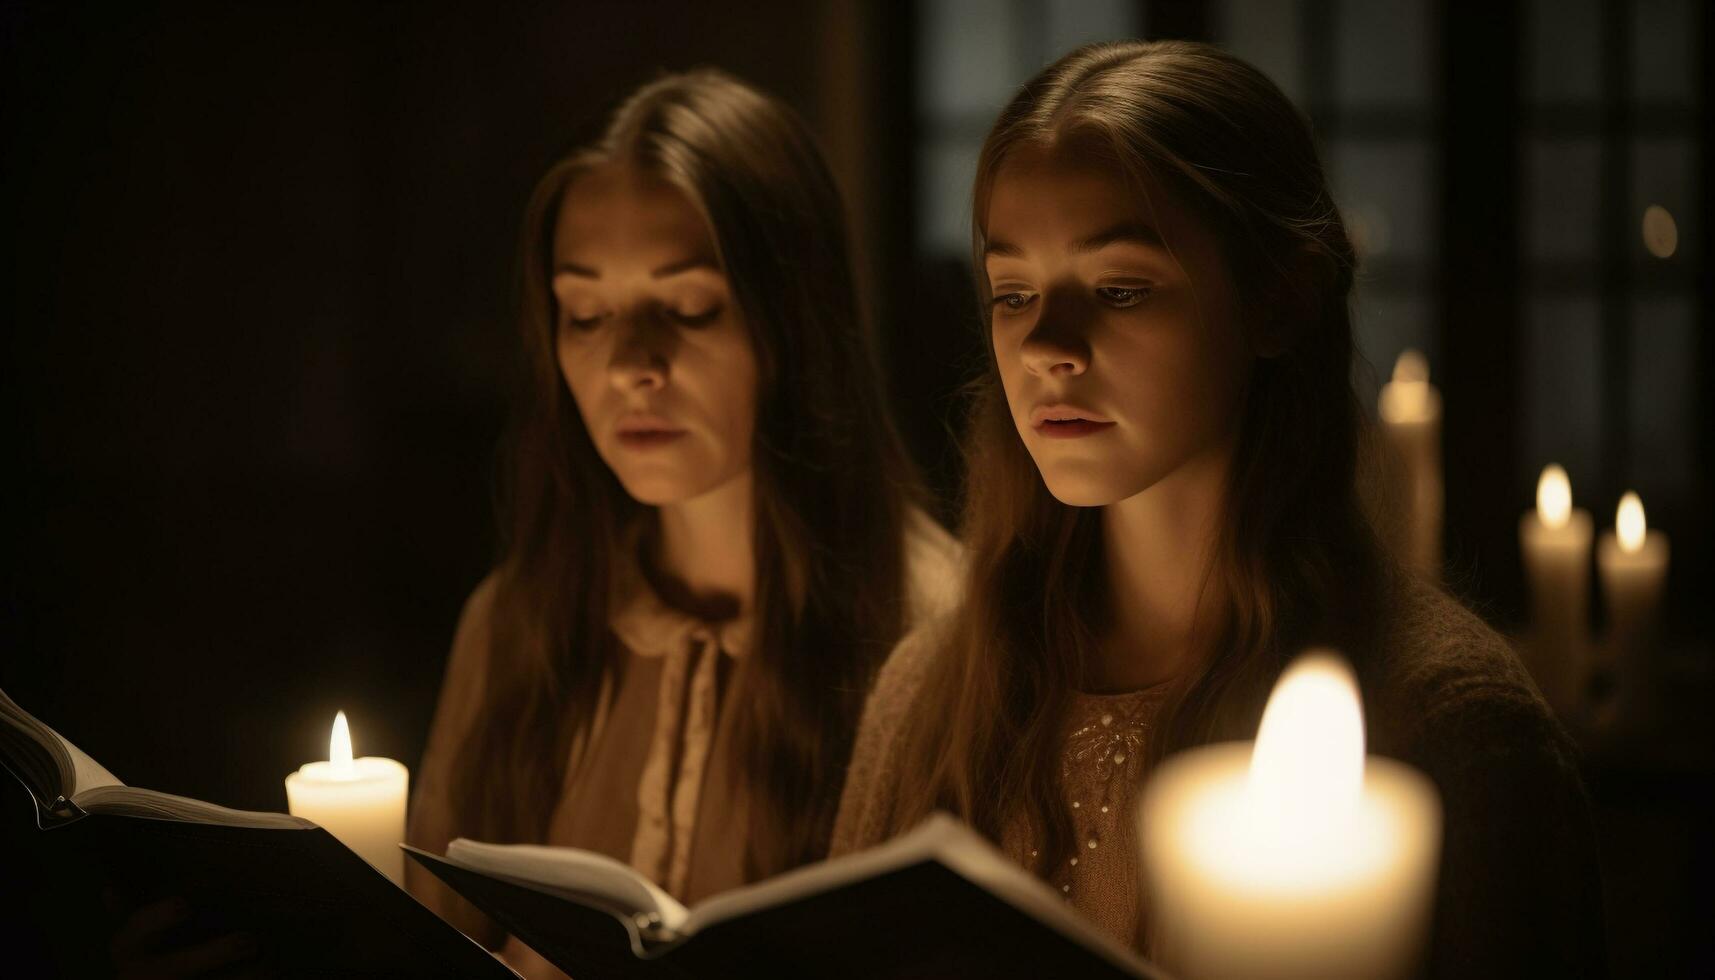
(359, 801)
(1410, 411)
(1295, 857)
(1555, 541)
(1631, 560)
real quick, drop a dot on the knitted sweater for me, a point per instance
(1519, 890)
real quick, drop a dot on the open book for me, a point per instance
(312, 906)
(936, 902)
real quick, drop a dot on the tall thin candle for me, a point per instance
(1555, 541)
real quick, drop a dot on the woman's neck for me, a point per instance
(1158, 548)
(707, 549)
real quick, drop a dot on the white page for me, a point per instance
(570, 870)
(89, 774)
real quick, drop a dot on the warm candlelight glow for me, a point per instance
(1408, 398)
(361, 801)
(1296, 856)
(1554, 496)
(339, 749)
(1629, 523)
(1412, 367)
(1307, 769)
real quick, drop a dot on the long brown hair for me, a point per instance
(831, 485)
(1295, 562)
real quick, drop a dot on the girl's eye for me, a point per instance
(696, 319)
(585, 323)
(1012, 302)
(1121, 297)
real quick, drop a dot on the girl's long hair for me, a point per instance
(1295, 563)
(831, 486)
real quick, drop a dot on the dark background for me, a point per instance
(258, 294)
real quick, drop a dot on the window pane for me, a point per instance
(1562, 188)
(947, 168)
(1564, 51)
(1075, 22)
(967, 57)
(1560, 360)
(1663, 395)
(1382, 52)
(1267, 33)
(1383, 188)
(1664, 52)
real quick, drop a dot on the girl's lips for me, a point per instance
(1071, 428)
(648, 438)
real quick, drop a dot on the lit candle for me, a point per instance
(1295, 857)
(1632, 563)
(1555, 541)
(359, 801)
(1410, 411)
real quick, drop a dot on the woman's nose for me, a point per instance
(639, 359)
(1056, 344)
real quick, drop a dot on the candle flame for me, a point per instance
(1307, 768)
(1554, 496)
(1412, 367)
(339, 748)
(1629, 525)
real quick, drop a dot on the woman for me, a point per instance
(1162, 512)
(710, 543)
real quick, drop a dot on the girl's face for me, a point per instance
(653, 349)
(1115, 326)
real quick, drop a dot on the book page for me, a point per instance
(583, 874)
(130, 801)
(87, 773)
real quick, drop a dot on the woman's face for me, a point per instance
(648, 338)
(1115, 327)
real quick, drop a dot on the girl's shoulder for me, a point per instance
(867, 814)
(1520, 889)
(1444, 675)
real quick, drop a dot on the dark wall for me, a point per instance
(258, 343)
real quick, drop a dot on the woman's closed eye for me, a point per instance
(698, 315)
(1121, 297)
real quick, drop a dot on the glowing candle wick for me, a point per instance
(1554, 496)
(1411, 367)
(1307, 767)
(1629, 524)
(339, 749)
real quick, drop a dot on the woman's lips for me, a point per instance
(646, 431)
(1067, 421)
(648, 438)
(1071, 428)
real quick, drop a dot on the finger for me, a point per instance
(143, 926)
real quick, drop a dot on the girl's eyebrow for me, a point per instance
(670, 269)
(1124, 233)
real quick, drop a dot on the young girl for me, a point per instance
(709, 545)
(1162, 512)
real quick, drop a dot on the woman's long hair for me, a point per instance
(831, 486)
(1295, 561)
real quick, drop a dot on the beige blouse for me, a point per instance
(651, 782)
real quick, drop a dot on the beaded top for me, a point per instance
(1100, 770)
